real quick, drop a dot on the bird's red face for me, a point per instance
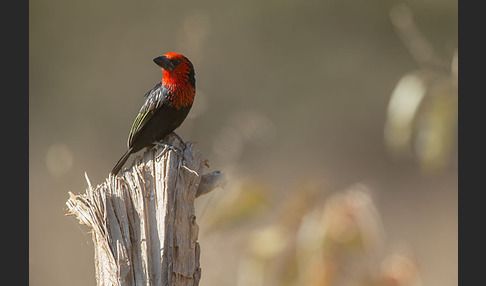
(178, 78)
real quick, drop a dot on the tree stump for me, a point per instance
(143, 221)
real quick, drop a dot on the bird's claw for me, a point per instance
(167, 147)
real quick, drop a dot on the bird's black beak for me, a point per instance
(164, 63)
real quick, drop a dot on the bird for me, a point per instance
(165, 106)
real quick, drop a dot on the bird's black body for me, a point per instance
(164, 120)
(165, 108)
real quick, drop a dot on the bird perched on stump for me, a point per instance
(165, 107)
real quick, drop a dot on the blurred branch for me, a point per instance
(143, 222)
(211, 181)
(416, 43)
(422, 112)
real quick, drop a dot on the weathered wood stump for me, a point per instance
(143, 221)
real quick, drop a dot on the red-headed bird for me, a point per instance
(166, 105)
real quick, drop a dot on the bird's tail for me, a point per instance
(122, 161)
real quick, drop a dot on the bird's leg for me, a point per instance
(180, 139)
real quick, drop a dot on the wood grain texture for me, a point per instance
(143, 221)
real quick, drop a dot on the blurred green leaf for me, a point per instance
(422, 119)
(437, 127)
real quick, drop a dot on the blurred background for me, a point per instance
(334, 121)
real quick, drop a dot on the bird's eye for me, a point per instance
(177, 61)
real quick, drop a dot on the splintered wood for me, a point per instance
(143, 222)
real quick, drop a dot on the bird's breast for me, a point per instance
(179, 96)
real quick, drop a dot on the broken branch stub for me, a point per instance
(143, 221)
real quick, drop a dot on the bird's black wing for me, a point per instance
(154, 99)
